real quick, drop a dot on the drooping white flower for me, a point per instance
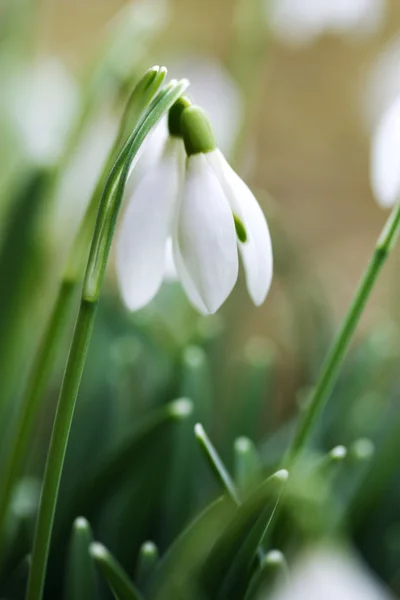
(385, 157)
(205, 212)
(328, 573)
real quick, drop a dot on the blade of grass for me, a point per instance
(333, 362)
(146, 563)
(117, 579)
(217, 466)
(230, 564)
(80, 581)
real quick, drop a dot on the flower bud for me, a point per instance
(197, 131)
(174, 116)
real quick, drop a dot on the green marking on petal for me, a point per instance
(240, 229)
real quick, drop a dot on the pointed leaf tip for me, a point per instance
(242, 444)
(181, 408)
(338, 453)
(98, 551)
(199, 430)
(274, 557)
(282, 475)
(81, 524)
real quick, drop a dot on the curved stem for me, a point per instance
(58, 446)
(98, 258)
(333, 362)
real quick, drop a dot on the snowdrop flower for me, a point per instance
(198, 205)
(385, 157)
(330, 574)
(302, 21)
(42, 123)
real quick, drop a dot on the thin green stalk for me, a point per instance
(98, 258)
(42, 367)
(216, 464)
(333, 362)
(41, 372)
(58, 446)
(117, 579)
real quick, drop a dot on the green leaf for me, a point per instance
(177, 573)
(81, 581)
(131, 455)
(230, 564)
(146, 563)
(118, 581)
(272, 569)
(220, 471)
(248, 465)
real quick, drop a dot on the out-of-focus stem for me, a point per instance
(333, 362)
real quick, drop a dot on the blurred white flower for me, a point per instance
(382, 83)
(42, 101)
(328, 574)
(204, 211)
(385, 157)
(302, 21)
(80, 177)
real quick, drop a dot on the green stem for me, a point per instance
(41, 371)
(58, 445)
(73, 274)
(337, 353)
(98, 257)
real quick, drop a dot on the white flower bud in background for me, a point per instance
(79, 179)
(382, 83)
(42, 103)
(326, 573)
(385, 157)
(300, 22)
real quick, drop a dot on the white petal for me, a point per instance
(187, 282)
(256, 252)
(205, 237)
(385, 157)
(170, 272)
(330, 573)
(146, 226)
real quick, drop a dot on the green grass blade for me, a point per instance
(248, 465)
(146, 563)
(230, 564)
(216, 464)
(272, 569)
(118, 581)
(80, 581)
(132, 455)
(176, 574)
